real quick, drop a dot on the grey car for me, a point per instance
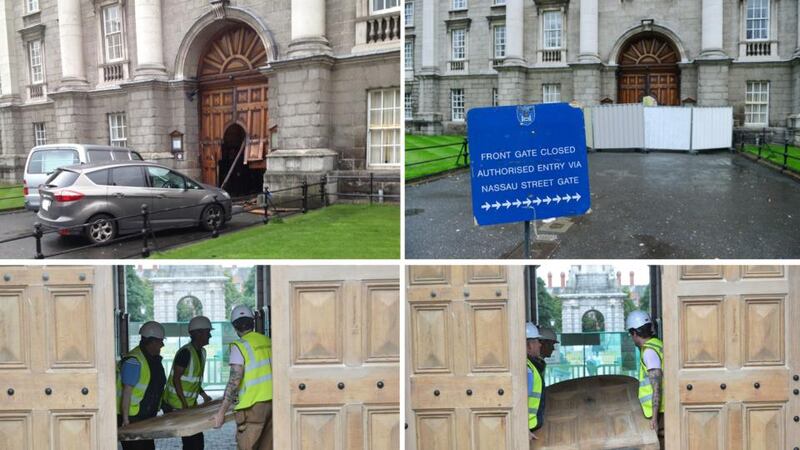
(103, 200)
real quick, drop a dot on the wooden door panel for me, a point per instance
(731, 362)
(57, 358)
(336, 346)
(465, 358)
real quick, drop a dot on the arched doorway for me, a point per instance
(233, 109)
(648, 65)
(593, 321)
(188, 307)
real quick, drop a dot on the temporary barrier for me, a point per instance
(661, 127)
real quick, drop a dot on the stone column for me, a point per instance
(712, 30)
(515, 49)
(588, 32)
(70, 36)
(149, 41)
(308, 29)
(797, 48)
(8, 84)
(429, 63)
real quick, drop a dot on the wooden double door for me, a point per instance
(336, 357)
(664, 86)
(732, 357)
(56, 358)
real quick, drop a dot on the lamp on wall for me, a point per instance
(647, 24)
(176, 144)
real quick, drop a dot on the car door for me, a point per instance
(128, 192)
(172, 198)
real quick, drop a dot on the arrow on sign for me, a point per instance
(547, 200)
(527, 202)
(517, 203)
(538, 201)
(567, 198)
(557, 199)
(576, 196)
(496, 204)
(486, 206)
(507, 204)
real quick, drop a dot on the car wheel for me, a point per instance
(211, 215)
(101, 229)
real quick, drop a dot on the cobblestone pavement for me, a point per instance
(222, 439)
(656, 205)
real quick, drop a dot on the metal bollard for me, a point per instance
(371, 182)
(215, 230)
(266, 205)
(145, 229)
(304, 187)
(37, 233)
(785, 153)
(322, 190)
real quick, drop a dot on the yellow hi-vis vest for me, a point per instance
(191, 380)
(256, 386)
(645, 389)
(534, 396)
(141, 386)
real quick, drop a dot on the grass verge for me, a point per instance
(11, 197)
(431, 168)
(775, 155)
(337, 232)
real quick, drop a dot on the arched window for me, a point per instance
(593, 321)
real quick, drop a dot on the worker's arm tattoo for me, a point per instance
(655, 376)
(237, 372)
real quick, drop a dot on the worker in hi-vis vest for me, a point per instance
(251, 381)
(651, 369)
(535, 381)
(140, 382)
(185, 380)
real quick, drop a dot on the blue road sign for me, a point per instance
(528, 162)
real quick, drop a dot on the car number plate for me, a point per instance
(46, 204)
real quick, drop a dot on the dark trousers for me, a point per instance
(193, 442)
(147, 444)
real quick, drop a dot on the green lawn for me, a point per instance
(776, 155)
(337, 232)
(413, 156)
(7, 197)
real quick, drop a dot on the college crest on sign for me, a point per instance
(526, 115)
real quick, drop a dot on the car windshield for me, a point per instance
(48, 160)
(61, 178)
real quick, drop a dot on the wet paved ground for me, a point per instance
(21, 223)
(656, 205)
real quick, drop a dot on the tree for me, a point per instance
(644, 302)
(549, 307)
(138, 296)
(249, 292)
(593, 321)
(189, 307)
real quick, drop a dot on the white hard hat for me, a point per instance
(532, 331)
(152, 329)
(240, 311)
(637, 319)
(200, 323)
(548, 334)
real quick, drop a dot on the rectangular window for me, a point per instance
(35, 59)
(408, 56)
(499, 41)
(384, 5)
(756, 105)
(408, 106)
(495, 100)
(409, 14)
(458, 44)
(31, 6)
(551, 93)
(457, 104)
(552, 29)
(499, 2)
(39, 134)
(385, 124)
(112, 32)
(757, 19)
(459, 4)
(117, 130)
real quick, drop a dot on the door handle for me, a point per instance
(119, 195)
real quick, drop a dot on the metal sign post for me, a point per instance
(528, 162)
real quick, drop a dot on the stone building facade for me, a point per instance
(467, 53)
(269, 92)
(590, 288)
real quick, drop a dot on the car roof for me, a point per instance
(107, 164)
(83, 146)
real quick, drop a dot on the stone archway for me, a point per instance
(648, 65)
(188, 307)
(593, 321)
(233, 91)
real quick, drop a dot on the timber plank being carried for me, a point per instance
(185, 422)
